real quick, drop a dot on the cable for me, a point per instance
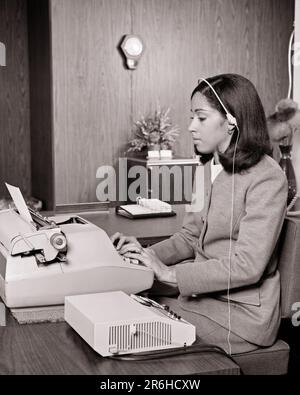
(144, 356)
(290, 64)
(208, 347)
(232, 120)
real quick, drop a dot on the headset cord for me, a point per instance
(290, 63)
(230, 244)
(144, 356)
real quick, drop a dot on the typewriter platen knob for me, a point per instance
(58, 241)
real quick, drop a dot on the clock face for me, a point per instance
(133, 46)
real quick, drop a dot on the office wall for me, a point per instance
(14, 98)
(91, 92)
(39, 44)
(95, 99)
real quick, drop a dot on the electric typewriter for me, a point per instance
(44, 259)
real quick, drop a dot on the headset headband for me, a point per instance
(231, 119)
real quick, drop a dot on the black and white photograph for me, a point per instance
(150, 191)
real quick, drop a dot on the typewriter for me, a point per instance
(44, 259)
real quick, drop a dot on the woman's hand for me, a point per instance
(129, 247)
(149, 258)
(125, 243)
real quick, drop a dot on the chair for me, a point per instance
(274, 359)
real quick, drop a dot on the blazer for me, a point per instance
(259, 208)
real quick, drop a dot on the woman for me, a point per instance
(229, 247)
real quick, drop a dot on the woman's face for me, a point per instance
(209, 127)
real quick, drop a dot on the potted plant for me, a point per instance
(156, 134)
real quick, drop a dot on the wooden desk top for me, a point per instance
(55, 348)
(148, 230)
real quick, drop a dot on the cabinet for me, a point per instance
(170, 180)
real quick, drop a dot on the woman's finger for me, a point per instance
(134, 240)
(130, 247)
(115, 237)
(122, 240)
(141, 257)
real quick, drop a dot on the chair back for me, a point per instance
(289, 265)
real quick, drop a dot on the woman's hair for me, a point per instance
(241, 99)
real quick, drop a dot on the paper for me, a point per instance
(19, 201)
(136, 209)
(154, 204)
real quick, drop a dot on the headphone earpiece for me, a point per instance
(231, 119)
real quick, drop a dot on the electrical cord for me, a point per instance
(199, 348)
(232, 121)
(230, 242)
(290, 63)
(207, 347)
(145, 356)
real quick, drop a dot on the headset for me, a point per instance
(205, 347)
(232, 121)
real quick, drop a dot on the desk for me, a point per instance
(58, 349)
(148, 231)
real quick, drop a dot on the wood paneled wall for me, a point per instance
(189, 39)
(93, 100)
(91, 92)
(14, 98)
(42, 171)
(96, 99)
